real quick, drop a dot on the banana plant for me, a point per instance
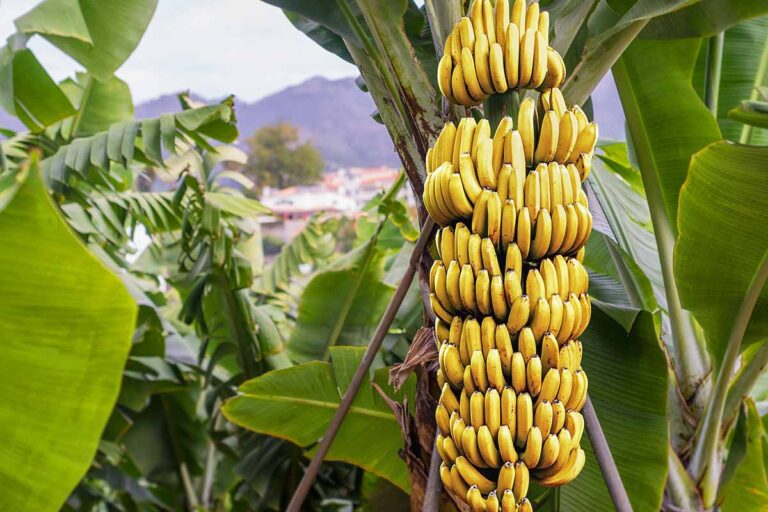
(666, 321)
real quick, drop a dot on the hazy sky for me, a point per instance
(214, 47)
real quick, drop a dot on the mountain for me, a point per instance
(336, 116)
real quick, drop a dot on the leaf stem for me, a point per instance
(706, 460)
(742, 383)
(713, 70)
(357, 379)
(499, 105)
(605, 459)
(434, 484)
(762, 70)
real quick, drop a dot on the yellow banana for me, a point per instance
(461, 244)
(540, 318)
(470, 447)
(502, 180)
(480, 214)
(584, 165)
(457, 429)
(441, 418)
(524, 232)
(440, 378)
(441, 290)
(558, 416)
(549, 277)
(526, 344)
(572, 468)
(548, 138)
(526, 126)
(508, 502)
(559, 225)
(441, 331)
(549, 451)
(470, 474)
(495, 372)
(494, 218)
(450, 449)
(571, 228)
(517, 14)
(492, 503)
(475, 500)
(501, 21)
(477, 367)
(474, 247)
(488, 21)
(524, 418)
(476, 410)
(506, 477)
(482, 132)
(555, 70)
(522, 479)
(470, 76)
(567, 135)
(532, 20)
(512, 287)
(452, 368)
(517, 373)
(446, 244)
(448, 399)
(566, 386)
(532, 452)
(469, 180)
(496, 62)
(513, 259)
(540, 242)
(543, 417)
(483, 292)
(527, 55)
(524, 505)
(508, 408)
(465, 409)
(549, 386)
(569, 195)
(540, 55)
(577, 317)
(482, 64)
(454, 332)
(544, 25)
(506, 439)
(585, 141)
(473, 336)
(467, 289)
(459, 197)
(444, 69)
(485, 172)
(439, 445)
(566, 445)
(514, 154)
(519, 314)
(459, 486)
(504, 346)
(498, 299)
(534, 286)
(555, 316)
(533, 194)
(533, 375)
(452, 284)
(512, 55)
(550, 352)
(439, 310)
(469, 383)
(487, 335)
(555, 185)
(569, 318)
(493, 410)
(445, 476)
(543, 170)
(574, 423)
(508, 220)
(459, 87)
(505, 125)
(586, 314)
(487, 446)
(466, 33)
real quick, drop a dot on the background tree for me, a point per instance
(277, 159)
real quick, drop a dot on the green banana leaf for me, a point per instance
(100, 104)
(67, 325)
(752, 113)
(341, 305)
(298, 403)
(747, 488)
(99, 34)
(28, 92)
(667, 120)
(703, 18)
(743, 48)
(628, 386)
(723, 214)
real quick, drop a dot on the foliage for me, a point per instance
(276, 158)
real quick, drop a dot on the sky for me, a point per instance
(214, 47)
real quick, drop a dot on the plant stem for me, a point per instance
(434, 485)
(706, 459)
(499, 105)
(210, 467)
(743, 382)
(746, 130)
(370, 354)
(605, 459)
(712, 73)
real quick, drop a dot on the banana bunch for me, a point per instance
(508, 289)
(497, 48)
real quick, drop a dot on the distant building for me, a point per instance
(341, 192)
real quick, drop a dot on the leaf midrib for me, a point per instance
(321, 404)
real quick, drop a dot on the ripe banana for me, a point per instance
(524, 418)
(487, 446)
(469, 473)
(532, 452)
